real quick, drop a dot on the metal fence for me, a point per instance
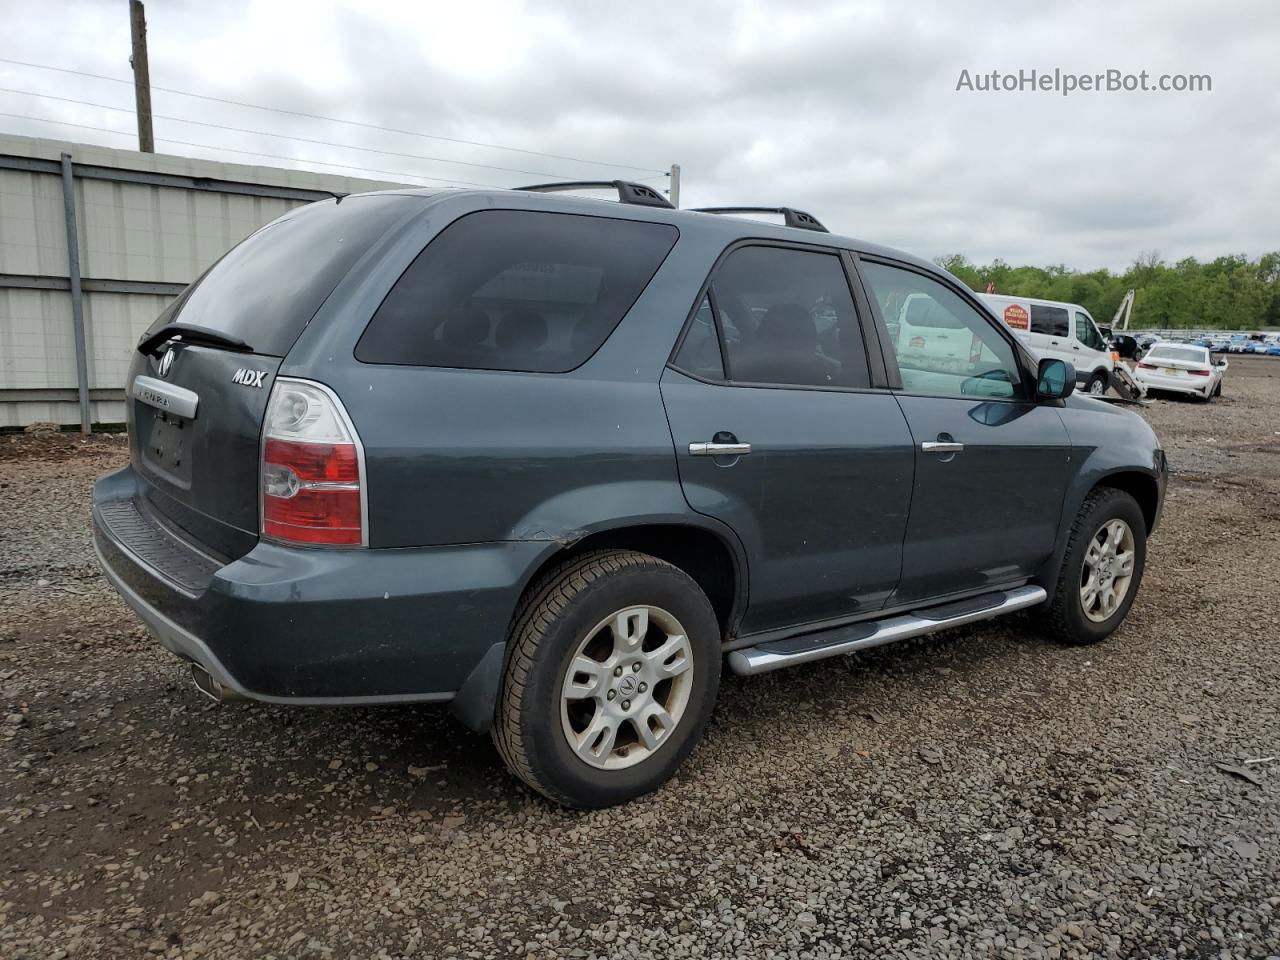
(94, 242)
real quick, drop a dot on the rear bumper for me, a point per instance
(311, 626)
(1196, 388)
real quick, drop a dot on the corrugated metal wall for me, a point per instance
(154, 222)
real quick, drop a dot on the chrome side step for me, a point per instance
(777, 654)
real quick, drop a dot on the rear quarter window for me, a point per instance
(516, 290)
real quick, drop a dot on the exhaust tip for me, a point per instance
(205, 683)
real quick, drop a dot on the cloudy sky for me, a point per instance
(849, 110)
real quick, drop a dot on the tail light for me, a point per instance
(312, 468)
(1147, 366)
(1115, 356)
(1199, 373)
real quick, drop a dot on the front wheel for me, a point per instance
(611, 676)
(1101, 569)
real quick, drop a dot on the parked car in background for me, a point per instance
(1051, 328)
(1125, 345)
(1181, 368)
(1257, 346)
(1273, 350)
(1238, 344)
(554, 460)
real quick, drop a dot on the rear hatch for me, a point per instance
(200, 380)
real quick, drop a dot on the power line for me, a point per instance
(286, 136)
(255, 153)
(354, 123)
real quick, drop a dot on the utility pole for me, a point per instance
(674, 192)
(77, 295)
(141, 76)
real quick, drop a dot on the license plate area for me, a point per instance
(1172, 371)
(167, 448)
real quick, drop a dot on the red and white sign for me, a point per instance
(1016, 318)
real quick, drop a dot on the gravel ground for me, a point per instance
(978, 793)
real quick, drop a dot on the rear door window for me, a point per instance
(266, 289)
(787, 317)
(516, 290)
(1049, 320)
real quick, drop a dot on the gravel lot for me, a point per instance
(979, 793)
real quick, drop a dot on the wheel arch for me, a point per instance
(715, 561)
(713, 558)
(1144, 486)
(1141, 486)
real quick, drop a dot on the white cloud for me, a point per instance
(847, 110)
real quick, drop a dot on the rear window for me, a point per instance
(516, 290)
(1184, 354)
(266, 289)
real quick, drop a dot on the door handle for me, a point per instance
(941, 446)
(719, 449)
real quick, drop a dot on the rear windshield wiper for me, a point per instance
(191, 333)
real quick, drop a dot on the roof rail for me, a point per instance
(628, 192)
(791, 217)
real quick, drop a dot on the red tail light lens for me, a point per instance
(1147, 366)
(312, 477)
(1198, 373)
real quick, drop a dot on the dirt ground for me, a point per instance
(978, 793)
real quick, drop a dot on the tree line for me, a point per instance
(1229, 293)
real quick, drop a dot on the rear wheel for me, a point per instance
(610, 679)
(1097, 384)
(1101, 569)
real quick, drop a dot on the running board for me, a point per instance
(859, 636)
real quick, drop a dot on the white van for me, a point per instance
(1064, 331)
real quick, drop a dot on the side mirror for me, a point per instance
(1055, 380)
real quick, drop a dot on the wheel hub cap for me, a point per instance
(626, 687)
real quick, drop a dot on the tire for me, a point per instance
(1097, 384)
(1065, 616)
(546, 721)
(1217, 391)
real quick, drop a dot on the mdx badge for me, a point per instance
(249, 378)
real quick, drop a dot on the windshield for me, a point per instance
(1184, 354)
(266, 288)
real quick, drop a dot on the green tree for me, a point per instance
(1231, 292)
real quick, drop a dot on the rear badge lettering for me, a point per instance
(249, 378)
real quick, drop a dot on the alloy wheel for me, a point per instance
(626, 687)
(1108, 570)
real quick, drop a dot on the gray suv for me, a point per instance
(556, 459)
